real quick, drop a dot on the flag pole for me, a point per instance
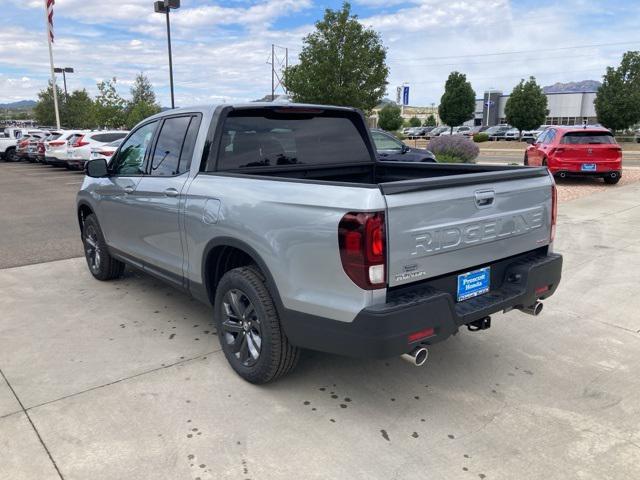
(49, 28)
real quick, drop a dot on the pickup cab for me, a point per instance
(283, 219)
(8, 143)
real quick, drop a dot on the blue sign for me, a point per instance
(474, 283)
(405, 95)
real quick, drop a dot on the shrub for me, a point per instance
(480, 137)
(453, 146)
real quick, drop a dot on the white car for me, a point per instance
(105, 151)
(461, 130)
(512, 134)
(55, 151)
(79, 150)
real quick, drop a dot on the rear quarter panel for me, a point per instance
(292, 226)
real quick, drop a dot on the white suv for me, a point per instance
(80, 145)
(55, 151)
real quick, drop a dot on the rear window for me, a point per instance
(262, 138)
(587, 138)
(108, 137)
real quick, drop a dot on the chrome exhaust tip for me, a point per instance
(417, 357)
(563, 175)
(534, 309)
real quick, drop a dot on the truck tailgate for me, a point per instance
(433, 230)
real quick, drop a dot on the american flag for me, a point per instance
(50, 4)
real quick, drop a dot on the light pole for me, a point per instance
(64, 77)
(165, 6)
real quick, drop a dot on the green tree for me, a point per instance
(414, 122)
(526, 107)
(78, 110)
(458, 102)
(143, 101)
(389, 118)
(430, 121)
(618, 99)
(342, 63)
(109, 105)
(44, 110)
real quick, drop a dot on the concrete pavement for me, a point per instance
(126, 380)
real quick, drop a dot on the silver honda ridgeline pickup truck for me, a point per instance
(282, 218)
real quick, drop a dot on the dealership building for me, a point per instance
(566, 108)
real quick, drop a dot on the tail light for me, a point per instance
(56, 144)
(106, 154)
(554, 208)
(362, 242)
(80, 142)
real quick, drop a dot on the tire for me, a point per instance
(101, 264)
(612, 178)
(249, 327)
(10, 155)
(526, 160)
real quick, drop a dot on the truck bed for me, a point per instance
(398, 177)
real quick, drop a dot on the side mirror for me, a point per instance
(97, 168)
(405, 148)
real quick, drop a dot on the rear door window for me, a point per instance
(587, 138)
(166, 157)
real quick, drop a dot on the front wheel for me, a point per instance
(249, 327)
(100, 262)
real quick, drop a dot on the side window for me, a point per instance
(542, 137)
(130, 160)
(551, 134)
(189, 144)
(383, 142)
(166, 156)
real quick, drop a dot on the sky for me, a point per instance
(221, 48)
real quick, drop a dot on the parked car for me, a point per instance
(21, 147)
(79, 150)
(462, 130)
(478, 129)
(299, 237)
(437, 131)
(8, 143)
(389, 148)
(577, 151)
(105, 151)
(41, 144)
(55, 151)
(513, 134)
(530, 136)
(497, 132)
(32, 147)
(637, 136)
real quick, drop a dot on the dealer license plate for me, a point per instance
(472, 284)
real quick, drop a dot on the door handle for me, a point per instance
(129, 189)
(485, 198)
(171, 192)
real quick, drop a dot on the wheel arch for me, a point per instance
(84, 210)
(226, 253)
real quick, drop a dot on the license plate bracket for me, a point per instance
(474, 283)
(588, 167)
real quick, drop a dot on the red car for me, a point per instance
(568, 151)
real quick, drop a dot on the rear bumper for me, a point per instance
(54, 161)
(76, 163)
(382, 331)
(575, 168)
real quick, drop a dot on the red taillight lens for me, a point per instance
(56, 144)
(361, 238)
(106, 154)
(80, 142)
(554, 208)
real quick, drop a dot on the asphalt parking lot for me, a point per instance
(126, 379)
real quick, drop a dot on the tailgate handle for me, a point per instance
(485, 198)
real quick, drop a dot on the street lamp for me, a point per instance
(164, 6)
(64, 77)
